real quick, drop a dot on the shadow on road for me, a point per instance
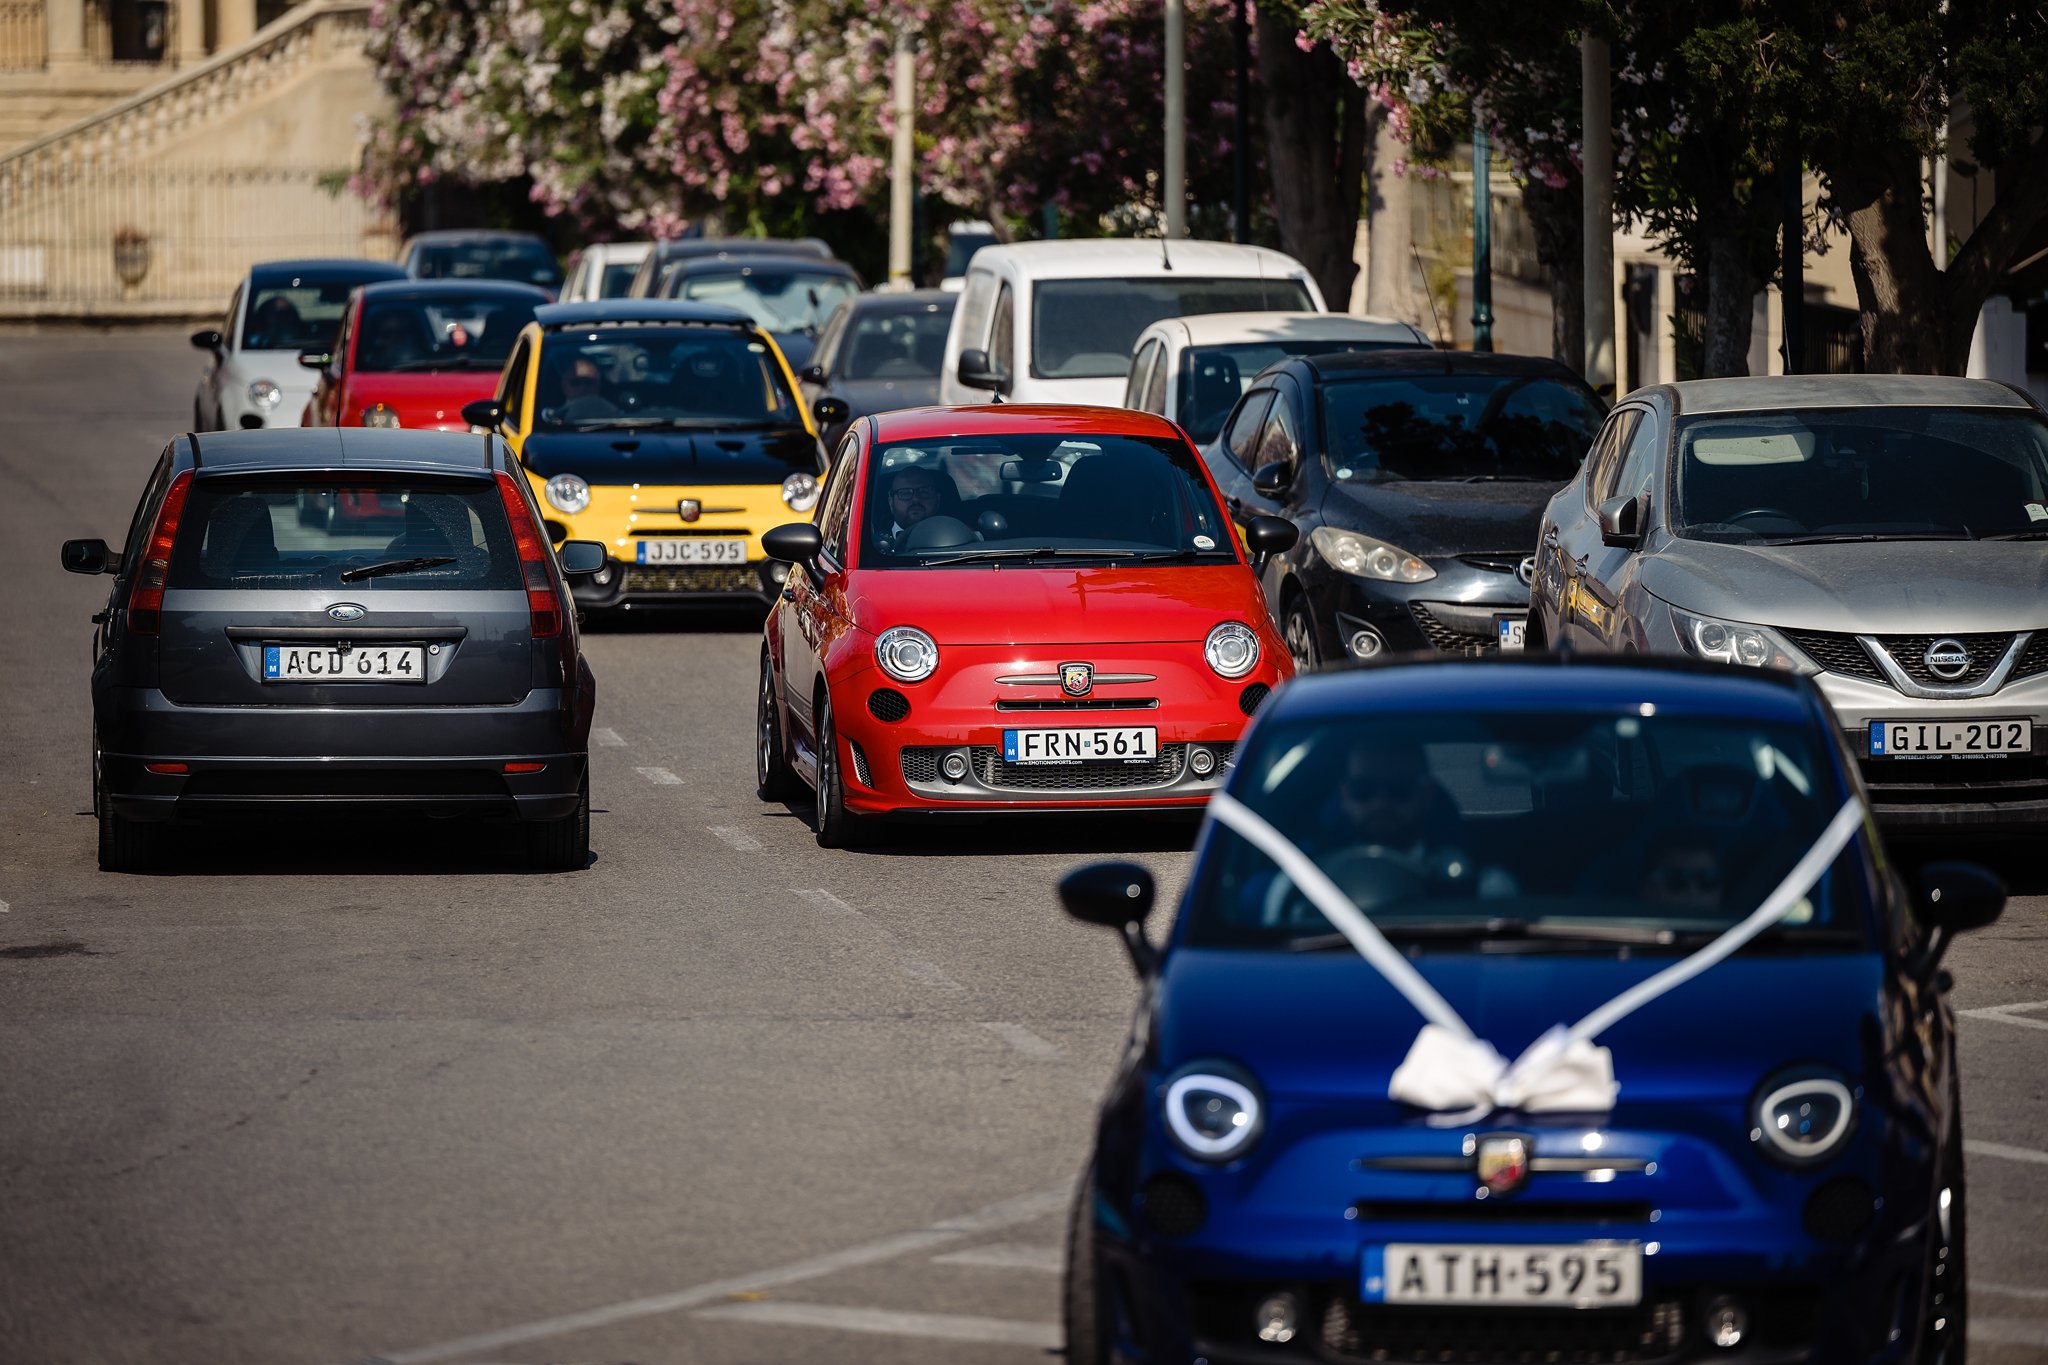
(711, 620)
(2016, 860)
(1017, 834)
(354, 848)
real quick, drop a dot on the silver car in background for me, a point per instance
(252, 376)
(1887, 533)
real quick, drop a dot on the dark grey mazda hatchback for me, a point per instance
(328, 621)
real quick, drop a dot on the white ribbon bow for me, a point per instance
(1460, 1077)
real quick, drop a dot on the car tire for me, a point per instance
(1299, 630)
(124, 845)
(562, 844)
(1945, 1316)
(774, 779)
(836, 826)
(1081, 1297)
(1533, 641)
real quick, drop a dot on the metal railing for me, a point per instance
(23, 35)
(171, 234)
(1440, 209)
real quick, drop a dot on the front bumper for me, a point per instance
(623, 518)
(1947, 793)
(625, 585)
(1457, 612)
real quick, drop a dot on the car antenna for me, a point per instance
(1430, 299)
(1164, 259)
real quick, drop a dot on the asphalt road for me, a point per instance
(371, 1093)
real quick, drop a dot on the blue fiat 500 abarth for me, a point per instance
(1538, 1012)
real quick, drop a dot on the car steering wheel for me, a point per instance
(1780, 513)
(1371, 876)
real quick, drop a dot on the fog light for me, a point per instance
(602, 576)
(1726, 1323)
(1276, 1318)
(1200, 761)
(778, 572)
(1366, 644)
(954, 766)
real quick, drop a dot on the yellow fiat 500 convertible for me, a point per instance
(670, 432)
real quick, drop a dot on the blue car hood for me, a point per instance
(1327, 1027)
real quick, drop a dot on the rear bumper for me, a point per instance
(213, 788)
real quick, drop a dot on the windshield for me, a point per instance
(1556, 822)
(1084, 329)
(1457, 428)
(777, 298)
(1213, 378)
(616, 376)
(985, 499)
(897, 345)
(617, 280)
(523, 261)
(309, 532)
(442, 333)
(1862, 473)
(295, 314)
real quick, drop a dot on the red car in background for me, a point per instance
(410, 353)
(1007, 608)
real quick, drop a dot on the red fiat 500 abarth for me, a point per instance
(1012, 607)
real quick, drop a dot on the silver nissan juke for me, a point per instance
(1885, 533)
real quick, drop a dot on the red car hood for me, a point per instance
(976, 606)
(429, 399)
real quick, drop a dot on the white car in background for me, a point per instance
(252, 376)
(1054, 322)
(1193, 370)
(604, 271)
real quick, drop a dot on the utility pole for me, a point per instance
(1597, 158)
(1482, 239)
(1792, 262)
(900, 174)
(1175, 179)
(1241, 136)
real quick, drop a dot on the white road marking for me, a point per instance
(660, 777)
(931, 1326)
(2010, 1291)
(1007, 1256)
(738, 838)
(607, 738)
(910, 965)
(2010, 1014)
(4, 907)
(1008, 1213)
(1025, 1041)
(2005, 1153)
(2010, 1331)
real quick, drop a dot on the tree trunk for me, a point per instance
(1555, 215)
(1731, 303)
(1315, 148)
(1389, 248)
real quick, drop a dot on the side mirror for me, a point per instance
(208, 340)
(579, 558)
(1273, 480)
(89, 556)
(812, 374)
(485, 413)
(1117, 896)
(1621, 523)
(830, 412)
(795, 543)
(316, 360)
(1956, 897)
(976, 372)
(1270, 535)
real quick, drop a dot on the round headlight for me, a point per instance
(906, 654)
(568, 493)
(1802, 1116)
(1232, 649)
(378, 415)
(265, 394)
(800, 491)
(1213, 1111)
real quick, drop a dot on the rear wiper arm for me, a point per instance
(391, 566)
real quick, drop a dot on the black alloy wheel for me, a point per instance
(1081, 1297)
(562, 844)
(1945, 1314)
(836, 826)
(774, 779)
(1299, 630)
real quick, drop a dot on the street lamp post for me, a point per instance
(1482, 240)
(1241, 136)
(1175, 179)
(900, 187)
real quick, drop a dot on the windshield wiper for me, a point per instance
(391, 566)
(2018, 535)
(1043, 551)
(1853, 537)
(1486, 478)
(445, 362)
(1484, 930)
(1166, 556)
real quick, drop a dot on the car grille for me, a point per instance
(888, 705)
(1954, 781)
(691, 578)
(921, 764)
(1449, 638)
(1252, 698)
(1909, 651)
(1837, 653)
(1082, 704)
(1358, 1331)
(2033, 659)
(1069, 777)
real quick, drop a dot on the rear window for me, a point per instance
(528, 262)
(309, 533)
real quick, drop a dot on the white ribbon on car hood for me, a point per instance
(1460, 1077)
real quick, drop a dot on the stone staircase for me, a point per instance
(158, 203)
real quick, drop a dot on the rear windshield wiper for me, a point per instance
(1056, 551)
(391, 566)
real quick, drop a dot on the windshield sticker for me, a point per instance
(1204, 543)
(1459, 1077)
(2037, 511)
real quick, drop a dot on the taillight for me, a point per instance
(541, 598)
(146, 595)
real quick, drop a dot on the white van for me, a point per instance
(1054, 322)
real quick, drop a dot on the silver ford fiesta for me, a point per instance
(1887, 533)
